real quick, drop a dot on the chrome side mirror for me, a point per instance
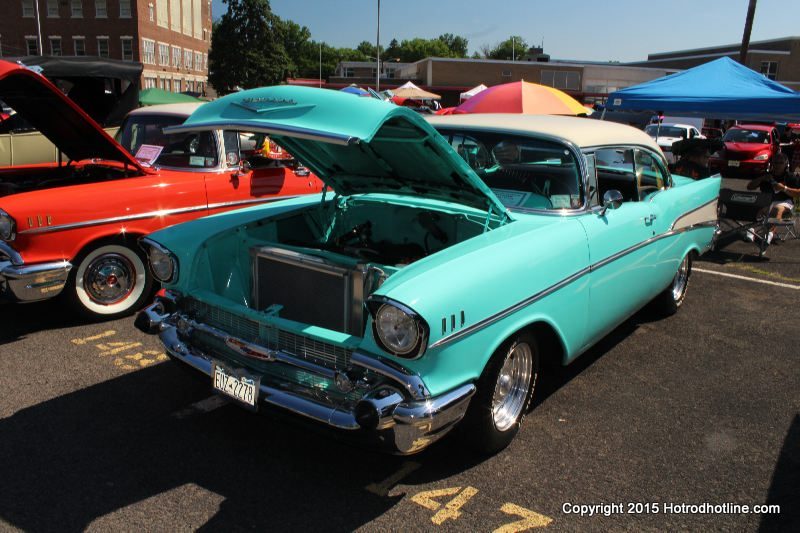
(244, 167)
(612, 199)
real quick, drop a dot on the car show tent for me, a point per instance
(722, 89)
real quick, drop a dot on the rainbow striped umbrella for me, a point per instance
(522, 97)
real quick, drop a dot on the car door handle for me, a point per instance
(648, 220)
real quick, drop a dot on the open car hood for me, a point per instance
(355, 145)
(64, 124)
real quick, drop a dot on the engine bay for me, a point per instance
(16, 180)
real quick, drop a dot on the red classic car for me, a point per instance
(71, 227)
(748, 151)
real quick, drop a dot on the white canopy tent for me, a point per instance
(472, 92)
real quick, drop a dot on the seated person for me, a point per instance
(784, 187)
(694, 155)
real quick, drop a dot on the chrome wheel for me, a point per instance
(109, 279)
(512, 387)
(681, 280)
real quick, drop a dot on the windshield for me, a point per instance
(181, 150)
(746, 136)
(522, 172)
(666, 131)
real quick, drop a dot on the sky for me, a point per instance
(614, 30)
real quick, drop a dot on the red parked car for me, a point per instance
(72, 226)
(748, 150)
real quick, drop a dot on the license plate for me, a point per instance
(733, 163)
(236, 384)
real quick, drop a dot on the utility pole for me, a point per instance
(320, 64)
(748, 27)
(378, 52)
(39, 27)
(513, 51)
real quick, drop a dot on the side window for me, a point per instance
(231, 141)
(615, 171)
(650, 175)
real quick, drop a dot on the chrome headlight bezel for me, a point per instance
(382, 309)
(8, 227)
(162, 263)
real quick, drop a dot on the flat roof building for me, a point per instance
(777, 59)
(170, 38)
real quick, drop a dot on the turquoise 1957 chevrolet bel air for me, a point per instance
(437, 272)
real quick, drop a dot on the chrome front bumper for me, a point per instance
(403, 414)
(29, 283)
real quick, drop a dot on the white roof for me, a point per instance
(673, 125)
(582, 132)
(182, 110)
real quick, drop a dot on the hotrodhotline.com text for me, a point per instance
(609, 509)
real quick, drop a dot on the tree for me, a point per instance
(393, 50)
(512, 48)
(456, 44)
(298, 48)
(247, 47)
(415, 49)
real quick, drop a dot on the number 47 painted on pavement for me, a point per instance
(452, 509)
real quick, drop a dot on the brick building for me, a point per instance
(777, 59)
(169, 37)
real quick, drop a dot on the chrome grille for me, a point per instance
(319, 352)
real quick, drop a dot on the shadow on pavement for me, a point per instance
(20, 320)
(785, 487)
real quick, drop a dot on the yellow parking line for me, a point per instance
(383, 488)
(109, 333)
(530, 519)
(113, 348)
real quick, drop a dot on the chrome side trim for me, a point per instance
(12, 254)
(566, 281)
(151, 214)
(514, 308)
(276, 129)
(251, 201)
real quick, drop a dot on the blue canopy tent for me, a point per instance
(722, 89)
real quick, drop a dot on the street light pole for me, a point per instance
(320, 64)
(378, 52)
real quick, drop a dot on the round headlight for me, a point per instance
(162, 265)
(7, 227)
(396, 330)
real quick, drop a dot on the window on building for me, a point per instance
(52, 8)
(79, 44)
(506, 74)
(55, 46)
(163, 54)
(198, 61)
(176, 57)
(347, 72)
(149, 83)
(197, 19)
(175, 15)
(102, 47)
(100, 9)
(27, 9)
(151, 11)
(205, 62)
(561, 79)
(124, 9)
(168, 85)
(148, 51)
(77, 9)
(163, 13)
(186, 19)
(187, 58)
(389, 73)
(177, 85)
(769, 69)
(127, 48)
(32, 46)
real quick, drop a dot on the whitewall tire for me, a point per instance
(110, 280)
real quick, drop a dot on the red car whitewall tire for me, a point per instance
(110, 280)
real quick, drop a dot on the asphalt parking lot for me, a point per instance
(98, 431)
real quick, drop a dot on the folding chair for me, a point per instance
(789, 224)
(745, 212)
